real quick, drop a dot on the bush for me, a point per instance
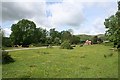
(6, 42)
(95, 40)
(6, 58)
(66, 45)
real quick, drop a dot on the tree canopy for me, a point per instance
(23, 32)
(113, 27)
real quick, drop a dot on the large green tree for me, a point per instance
(113, 25)
(23, 32)
(55, 35)
(66, 35)
(75, 39)
(40, 35)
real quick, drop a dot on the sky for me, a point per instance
(82, 16)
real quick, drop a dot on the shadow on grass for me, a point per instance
(6, 58)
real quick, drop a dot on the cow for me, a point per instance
(88, 42)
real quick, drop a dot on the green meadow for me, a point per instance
(93, 61)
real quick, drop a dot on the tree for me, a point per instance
(54, 35)
(66, 35)
(57, 41)
(75, 39)
(6, 42)
(113, 25)
(43, 37)
(1, 36)
(99, 40)
(48, 40)
(23, 32)
(40, 35)
(95, 40)
(66, 45)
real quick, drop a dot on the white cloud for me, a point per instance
(22, 0)
(66, 13)
(59, 0)
(15, 11)
(7, 32)
(96, 27)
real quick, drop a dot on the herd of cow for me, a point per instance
(88, 42)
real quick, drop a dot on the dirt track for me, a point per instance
(27, 48)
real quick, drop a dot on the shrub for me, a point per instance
(6, 58)
(66, 45)
(95, 40)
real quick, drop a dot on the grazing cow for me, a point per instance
(87, 42)
(90, 42)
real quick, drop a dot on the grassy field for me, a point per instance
(80, 62)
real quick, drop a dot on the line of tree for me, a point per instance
(113, 25)
(25, 32)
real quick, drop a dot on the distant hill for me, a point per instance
(84, 37)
